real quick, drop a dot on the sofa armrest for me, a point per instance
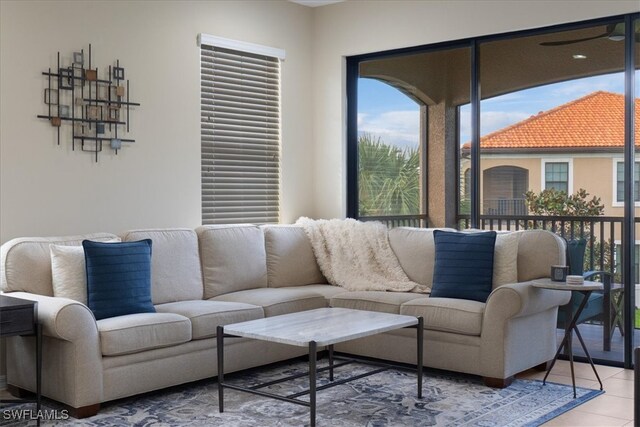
(519, 328)
(522, 299)
(62, 318)
(72, 360)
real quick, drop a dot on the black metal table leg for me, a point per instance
(312, 383)
(555, 358)
(220, 349)
(331, 362)
(38, 369)
(567, 342)
(419, 334)
(586, 352)
(570, 350)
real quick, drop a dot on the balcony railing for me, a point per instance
(504, 207)
(602, 233)
(420, 221)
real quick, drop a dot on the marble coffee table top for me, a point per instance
(325, 326)
(563, 286)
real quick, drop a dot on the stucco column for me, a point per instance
(441, 165)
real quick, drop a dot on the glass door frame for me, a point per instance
(628, 232)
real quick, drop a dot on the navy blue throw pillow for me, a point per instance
(464, 265)
(118, 278)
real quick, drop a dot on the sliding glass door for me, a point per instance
(552, 146)
(525, 130)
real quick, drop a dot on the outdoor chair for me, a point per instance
(601, 306)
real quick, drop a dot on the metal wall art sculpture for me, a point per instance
(94, 107)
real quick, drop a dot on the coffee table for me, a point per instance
(313, 329)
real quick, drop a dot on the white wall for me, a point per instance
(46, 189)
(356, 27)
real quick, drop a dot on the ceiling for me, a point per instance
(315, 3)
(506, 66)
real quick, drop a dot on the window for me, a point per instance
(556, 175)
(240, 132)
(620, 181)
(389, 151)
(504, 188)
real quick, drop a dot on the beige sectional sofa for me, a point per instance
(218, 275)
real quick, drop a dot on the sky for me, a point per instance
(386, 112)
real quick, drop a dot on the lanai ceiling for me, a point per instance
(505, 66)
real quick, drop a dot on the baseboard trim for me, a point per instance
(3, 382)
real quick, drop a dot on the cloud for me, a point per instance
(400, 128)
(490, 121)
(578, 88)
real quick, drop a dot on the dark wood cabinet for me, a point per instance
(20, 317)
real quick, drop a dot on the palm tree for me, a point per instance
(388, 178)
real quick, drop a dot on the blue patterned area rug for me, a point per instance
(383, 399)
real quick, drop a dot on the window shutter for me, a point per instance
(240, 134)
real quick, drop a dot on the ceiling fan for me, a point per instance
(614, 32)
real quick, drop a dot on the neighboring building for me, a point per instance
(575, 145)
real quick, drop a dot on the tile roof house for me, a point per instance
(595, 121)
(575, 145)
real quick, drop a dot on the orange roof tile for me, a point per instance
(593, 121)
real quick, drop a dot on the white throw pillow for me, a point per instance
(68, 272)
(505, 259)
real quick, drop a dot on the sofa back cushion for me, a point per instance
(175, 263)
(25, 263)
(290, 258)
(415, 250)
(538, 250)
(233, 258)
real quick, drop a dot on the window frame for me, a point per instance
(474, 218)
(543, 169)
(614, 196)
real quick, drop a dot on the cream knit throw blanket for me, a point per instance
(356, 255)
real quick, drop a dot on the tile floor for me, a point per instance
(614, 408)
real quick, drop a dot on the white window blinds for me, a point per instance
(240, 134)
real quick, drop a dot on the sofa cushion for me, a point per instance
(290, 258)
(464, 265)
(325, 290)
(206, 316)
(233, 259)
(538, 250)
(505, 260)
(175, 264)
(26, 261)
(139, 332)
(447, 314)
(415, 250)
(276, 301)
(118, 278)
(386, 302)
(69, 272)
